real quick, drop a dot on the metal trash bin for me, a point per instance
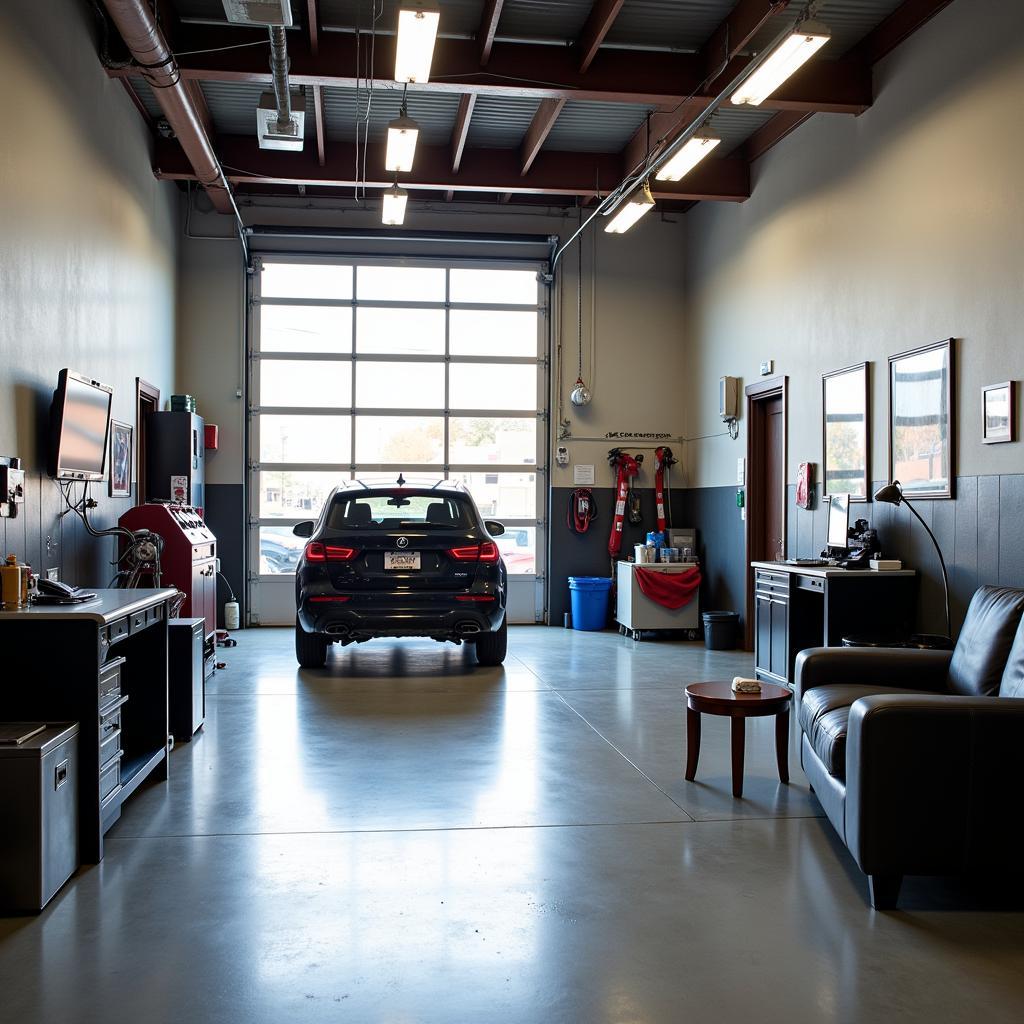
(38, 811)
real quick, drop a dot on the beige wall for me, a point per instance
(866, 236)
(638, 301)
(87, 247)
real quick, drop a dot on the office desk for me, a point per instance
(58, 663)
(796, 607)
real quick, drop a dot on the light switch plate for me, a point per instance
(741, 471)
(767, 367)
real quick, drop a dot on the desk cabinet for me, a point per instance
(771, 618)
(799, 607)
(102, 663)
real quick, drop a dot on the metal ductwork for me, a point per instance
(142, 36)
(280, 118)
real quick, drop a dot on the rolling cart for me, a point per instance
(635, 612)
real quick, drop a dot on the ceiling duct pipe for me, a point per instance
(280, 117)
(279, 64)
(142, 36)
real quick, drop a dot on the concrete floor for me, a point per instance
(406, 837)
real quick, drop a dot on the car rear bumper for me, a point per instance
(365, 617)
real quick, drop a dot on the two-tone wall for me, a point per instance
(865, 237)
(88, 248)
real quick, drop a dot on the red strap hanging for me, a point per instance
(625, 467)
(662, 458)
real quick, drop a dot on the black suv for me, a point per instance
(401, 560)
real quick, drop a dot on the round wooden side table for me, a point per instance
(720, 699)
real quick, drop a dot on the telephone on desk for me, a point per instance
(863, 546)
(55, 592)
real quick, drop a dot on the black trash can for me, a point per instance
(720, 630)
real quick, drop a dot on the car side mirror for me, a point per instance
(304, 529)
(493, 528)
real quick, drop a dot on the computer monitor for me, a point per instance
(79, 427)
(838, 521)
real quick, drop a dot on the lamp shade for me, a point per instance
(891, 494)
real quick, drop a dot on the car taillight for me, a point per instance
(320, 598)
(317, 552)
(486, 552)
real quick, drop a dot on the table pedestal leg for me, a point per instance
(782, 744)
(692, 742)
(738, 741)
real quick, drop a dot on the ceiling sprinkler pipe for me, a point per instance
(279, 65)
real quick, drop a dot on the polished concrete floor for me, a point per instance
(406, 837)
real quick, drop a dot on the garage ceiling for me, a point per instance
(553, 98)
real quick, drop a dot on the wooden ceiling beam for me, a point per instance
(601, 18)
(488, 29)
(460, 132)
(318, 118)
(540, 128)
(313, 25)
(482, 170)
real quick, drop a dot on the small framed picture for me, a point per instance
(120, 485)
(998, 413)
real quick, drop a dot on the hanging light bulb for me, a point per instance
(393, 211)
(403, 133)
(639, 203)
(580, 394)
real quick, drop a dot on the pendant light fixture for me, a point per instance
(688, 156)
(580, 394)
(639, 203)
(788, 57)
(417, 33)
(393, 210)
(403, 134)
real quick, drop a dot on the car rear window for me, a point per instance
(399, 512)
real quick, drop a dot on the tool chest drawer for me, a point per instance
(110, 681)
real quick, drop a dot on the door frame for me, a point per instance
(147, 400)
(756, 395)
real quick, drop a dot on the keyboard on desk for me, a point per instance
(808, 563)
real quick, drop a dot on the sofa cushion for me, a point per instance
(979, 657)
(1012, 683)
(824, 713)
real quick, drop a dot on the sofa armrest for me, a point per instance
(930, 781)
(904, 668)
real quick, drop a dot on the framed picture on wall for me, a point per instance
(922, 420)
(120, 484)
(998, 413)
(845, 432)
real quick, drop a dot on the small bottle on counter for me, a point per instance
(10, 583)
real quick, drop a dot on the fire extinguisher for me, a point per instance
(582, 510)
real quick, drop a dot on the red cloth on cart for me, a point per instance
(669, 589)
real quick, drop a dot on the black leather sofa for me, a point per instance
(915, 755)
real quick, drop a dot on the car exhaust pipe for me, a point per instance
(466, 628)
(337, 629)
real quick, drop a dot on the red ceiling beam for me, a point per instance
(657, 79)
(139, 105)
(903, 22)
(488, 29)
(318, 117)
(601, 18)
(482, 170)
(313, 25)
(772, 132)
(460, 132)
(540, 128)
(735, 32)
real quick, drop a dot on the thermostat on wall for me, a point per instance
(727, 398)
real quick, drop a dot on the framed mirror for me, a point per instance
(921, 420)
(845, 442)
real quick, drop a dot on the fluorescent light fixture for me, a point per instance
(631, 211)
(402, 135)
(687, 157)
(417, 31)
(393, 211)
(789, 56)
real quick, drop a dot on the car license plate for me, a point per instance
(402, 560)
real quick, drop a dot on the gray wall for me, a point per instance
(88, 244)
(632, 319)
(865, 237)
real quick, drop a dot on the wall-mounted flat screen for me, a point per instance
(79, 426)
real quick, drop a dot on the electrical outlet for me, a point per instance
(53, 574)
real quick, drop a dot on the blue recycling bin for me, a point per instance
(589, 597)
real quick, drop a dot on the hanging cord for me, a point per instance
(226, 584)
(579, 307)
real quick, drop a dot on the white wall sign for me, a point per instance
(582, 474)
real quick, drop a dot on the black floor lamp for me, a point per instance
(892, 494)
